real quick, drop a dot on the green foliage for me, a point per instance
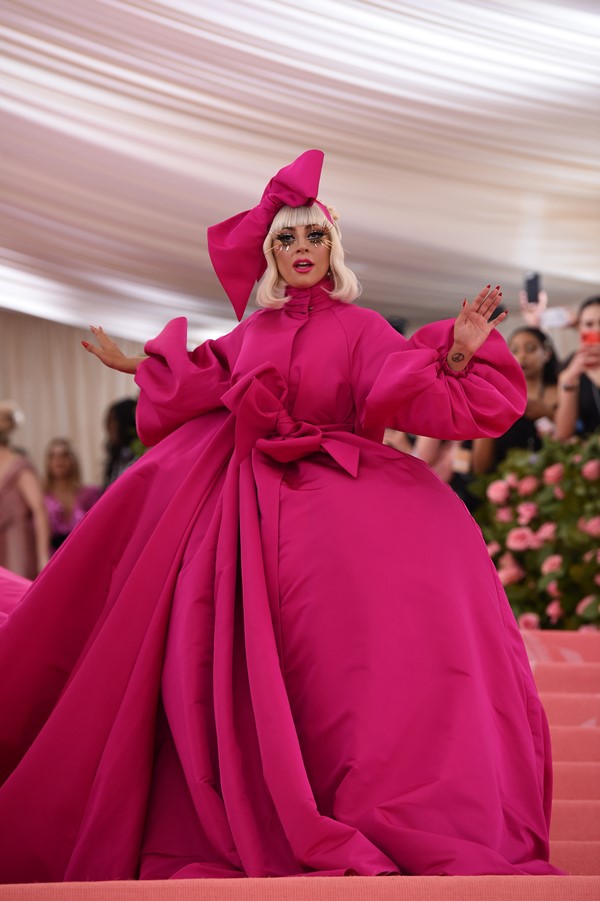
(541, 519)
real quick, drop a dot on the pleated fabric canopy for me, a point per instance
(461, 147)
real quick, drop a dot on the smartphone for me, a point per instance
(532, 286)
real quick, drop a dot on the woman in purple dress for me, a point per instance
(277, 646)
(67, 500)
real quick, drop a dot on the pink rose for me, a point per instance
(553, 589)
(559, 494)
(552, 564)
(527, 510)
(577, 458)
(597, 579)
(554, 612)
(520, 539)
(493, 548)
(508, 575)
(498, 492)
(529, 621)
(527, 486)
(590, 526)
(553, 474)
(589, 555)
(547, 531)
(512, 480)
(584, 603)
(504, 514)
(588, 627)
(598, 556)
(591, 470)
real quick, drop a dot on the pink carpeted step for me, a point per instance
(576, 858)
(544, 645)
(576, 780)
(575, 821)
(573, 743)
(564, 709)
(568, 677)
(353, 888)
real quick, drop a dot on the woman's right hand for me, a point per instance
(586, 357)
(108, 352)
(533, 312)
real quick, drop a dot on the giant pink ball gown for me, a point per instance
(275, 646)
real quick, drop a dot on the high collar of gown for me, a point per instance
(308, 300)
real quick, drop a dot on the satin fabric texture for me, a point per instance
(276, 646)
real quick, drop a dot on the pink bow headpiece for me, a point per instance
(235, 245)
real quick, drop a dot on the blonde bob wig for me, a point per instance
(271, 289)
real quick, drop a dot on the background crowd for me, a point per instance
(38, 512)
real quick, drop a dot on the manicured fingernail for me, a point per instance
(497, 287)
(488, 286)
(500, 294)
(85, 344)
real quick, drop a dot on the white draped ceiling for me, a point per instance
(462, 146)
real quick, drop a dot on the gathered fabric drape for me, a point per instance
(276, 646)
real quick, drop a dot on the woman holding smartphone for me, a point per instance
(578, 409)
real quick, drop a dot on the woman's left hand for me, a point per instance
(472, 325)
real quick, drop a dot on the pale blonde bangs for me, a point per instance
(271, 289)
(289, 217)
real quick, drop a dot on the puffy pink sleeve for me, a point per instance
(416, 391)
(177, 385)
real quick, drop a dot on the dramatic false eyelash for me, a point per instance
(317, 237)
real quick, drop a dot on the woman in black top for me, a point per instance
(578, 410)
(537, 358)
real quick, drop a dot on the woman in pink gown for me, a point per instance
(276, 646)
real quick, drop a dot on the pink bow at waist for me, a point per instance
(262, 422)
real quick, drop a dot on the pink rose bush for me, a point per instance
(520, 539)
(509, 570)
(554, 612)
(554, 474)
(529, 621)
(552, 564)
(584, 604)
(498, 492)
(546, 532)
(590, 526)
(526, 512)
(540, 517)
(591, 470)
(527, 485)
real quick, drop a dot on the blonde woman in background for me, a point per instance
(24, 531)
(67, 500)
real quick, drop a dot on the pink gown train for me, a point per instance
(276, 646)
